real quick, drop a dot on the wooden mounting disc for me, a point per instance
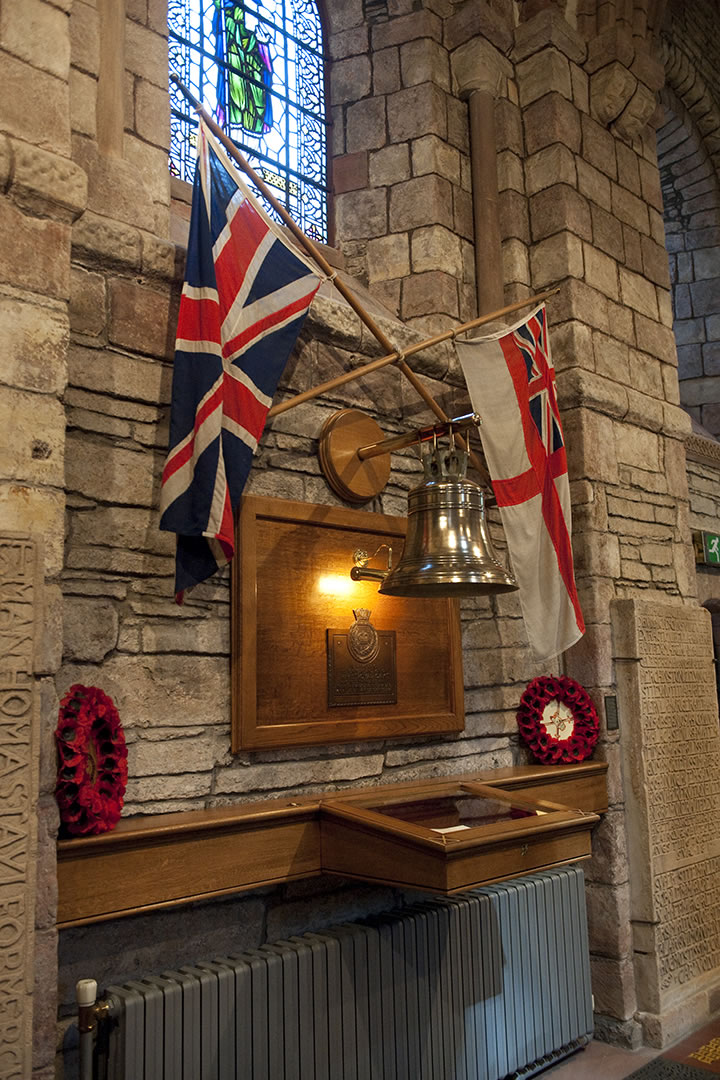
(342, 436)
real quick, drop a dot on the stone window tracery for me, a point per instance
(258, 67)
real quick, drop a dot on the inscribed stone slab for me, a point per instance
(18, 565)
(671, 761)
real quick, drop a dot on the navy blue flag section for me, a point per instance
(245, 297)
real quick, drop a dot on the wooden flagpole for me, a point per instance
(383, 361)
(393, 355)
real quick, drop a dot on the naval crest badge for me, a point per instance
(362, 641)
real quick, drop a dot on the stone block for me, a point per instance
(436, 248)
(571, 345)
(630, 209)
(361, 214)
(34, 255)
(638, 293)
(593, 184)
(607, 233)
(580, 89)
(590, 659)
(35, 342)
(608, 911)
(612, 358)
(350, 172)
(116, 475)
(350, 79)
(365, 125)
(47, 184)
(635, 446)
(85, 38)
(34, 455)
(633, 249)
(637, 113)
(90, 629)
(546, 71)
(152, 113)
(391, 165)
(110, 243)
(601, 272)
(353, 42)
(516, 266)
(654, 338)
(173, 753)
(609, 863)
(37, 33)
(386, 71)
(146, 53)
(117, 184)
(36, 511)
(592, 459)
(558, 257)
(554, 164)
(509, 127)
(140, 318)
(46, 127)
(598, 147)
(150, 164)
(418, 111)
(458, 124)
(123, 526)
(689, 331)
(705, 296)
(613, 987)
(578, 301)
(478, 20)
(424, 200)
(463, 213)
(388, 257)
(513, 214)
(417, 24)
(558, 208)
(424, 61)
(551, 119)
(509, 172)
(611, 88)
(87, 302)
(548, 26)
(426, 294)
(432, 155)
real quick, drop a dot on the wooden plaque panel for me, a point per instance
(291, 583)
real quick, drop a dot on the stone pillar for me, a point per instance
(479, 71)
(671, 765)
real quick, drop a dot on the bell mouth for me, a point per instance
(429, 581)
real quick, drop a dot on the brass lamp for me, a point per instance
(448, 550)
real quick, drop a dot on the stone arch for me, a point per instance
(689, 163)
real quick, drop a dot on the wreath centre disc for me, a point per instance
(558, 720)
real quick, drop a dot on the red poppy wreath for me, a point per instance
(92, 761)
(558, 720)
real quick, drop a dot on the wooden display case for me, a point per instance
(457, 836)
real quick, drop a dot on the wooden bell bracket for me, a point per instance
(355, 456)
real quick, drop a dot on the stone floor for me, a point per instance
(599, 1061)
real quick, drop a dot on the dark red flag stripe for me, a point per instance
(177, 459)
(268, 322)
(243, 407)
(198, 320)
(247, 231)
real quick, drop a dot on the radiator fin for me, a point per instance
(486, 985)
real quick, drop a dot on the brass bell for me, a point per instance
(448, 551)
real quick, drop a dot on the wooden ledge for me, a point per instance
(159, 861)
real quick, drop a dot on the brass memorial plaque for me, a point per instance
(361, 664)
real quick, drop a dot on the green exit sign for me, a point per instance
(707, 548)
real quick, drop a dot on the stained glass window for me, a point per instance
(258, 68)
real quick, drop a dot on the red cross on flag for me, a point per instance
(512, 385)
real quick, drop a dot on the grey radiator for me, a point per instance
(485, 985)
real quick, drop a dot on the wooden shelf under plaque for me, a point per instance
(161, 860)
(455, 836)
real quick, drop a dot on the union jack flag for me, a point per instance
(245, 297)
(511, 381)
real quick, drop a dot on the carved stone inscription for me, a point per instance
(672, 773)
(17, 578)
